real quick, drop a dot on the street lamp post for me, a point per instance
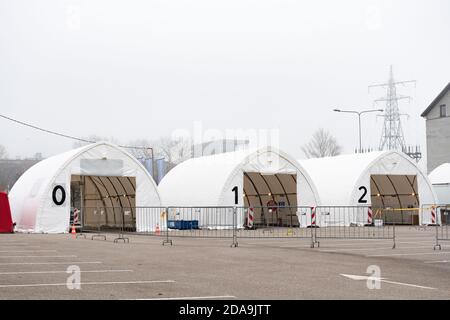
(359, 113)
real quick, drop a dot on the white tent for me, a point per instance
(384, 179)
(258, 177)
(440, 178)
(41, 199)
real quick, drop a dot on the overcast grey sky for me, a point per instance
(141, 69)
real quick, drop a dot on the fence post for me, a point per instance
(99, 235)
(313, 215)
(393, 232)
(437, 245)
(235, 242)
(81, 221)
(312, 233)
(167, 240)
(121, 230)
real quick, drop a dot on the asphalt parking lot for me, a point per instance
(35, 267)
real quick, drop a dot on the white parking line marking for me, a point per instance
(358, 278)
(340, 242)
(398, 242)
(405, 254)
(364, 242)
(65, 271)
(24, 251)
(368, 249)
(16, 245)
(49, 263)
(442, 261)
(191, 298)
(83, 283)
(68, 256)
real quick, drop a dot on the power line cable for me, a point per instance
(63, 135)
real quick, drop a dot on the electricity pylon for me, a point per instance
(392, 137)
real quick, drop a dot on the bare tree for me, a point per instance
(3, 153)
(94, 138)
(322, 144)
(144, 151)
(174, 151)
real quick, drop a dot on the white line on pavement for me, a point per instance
(408, 285)
(368, 249)
(83, 283)
(68, 256)
(65, 271)
(16, 245)
(23, 251)
(49, 263)
(369, 244)
(192, 298)
(357, 277)
(442, 261)
(405, 254)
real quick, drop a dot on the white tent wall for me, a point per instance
(396, 163)
(442, 193)
(209, 181)
(339, 179)
(31, 197)
(440, 178)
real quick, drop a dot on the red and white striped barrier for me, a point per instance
(250, 218)
(313, 216)
(75, 216)
(433, 215)
(369, 216)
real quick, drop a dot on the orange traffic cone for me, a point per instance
(73, 232)
(157, 231)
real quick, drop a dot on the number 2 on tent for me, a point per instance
(362, 200)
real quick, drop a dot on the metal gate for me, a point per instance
(442, 230)
(347, 222)
(314, 223)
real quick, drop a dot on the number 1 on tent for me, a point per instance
(236, 195)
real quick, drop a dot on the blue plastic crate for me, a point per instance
(182, 224)
(174, 224)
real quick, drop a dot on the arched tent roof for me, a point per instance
(209, 180)
(31, 197)
(440, 175)
(440, 178)
(338, 178)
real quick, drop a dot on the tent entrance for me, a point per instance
(262, 192)
(105, 202)
(400, 194)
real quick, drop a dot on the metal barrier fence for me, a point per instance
(201, 222)
(121, 220)
(429, 215)
(237, 222)
(314, 223)
(361, 222)
(274, 222)
(442, 230)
